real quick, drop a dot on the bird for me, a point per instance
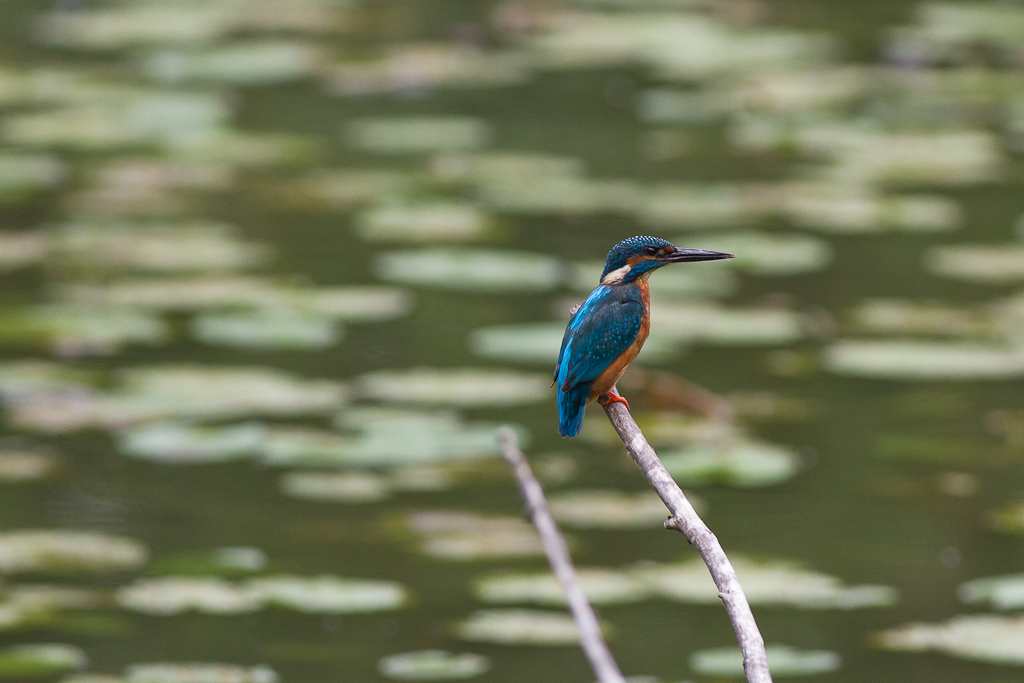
(606, 332)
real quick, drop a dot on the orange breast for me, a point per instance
(607, 379)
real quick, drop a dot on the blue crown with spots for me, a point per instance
(634, 246)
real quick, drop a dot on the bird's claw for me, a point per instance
(614, 397)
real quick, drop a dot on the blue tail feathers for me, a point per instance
(572, 406)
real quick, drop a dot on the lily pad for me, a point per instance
(20, 465)
(151, 173)
(22, 249)
(174, 595)
(341, 487)
(924, 360)
(19, 379)
(535, 342)
(351, 304)
(956, 158)
(498, 167)
(845, 208)
(267, 330)
(40, 660)
(161, 247)
(713, 324)
(665, 106)
(356, 304)
(783, 660)
(199, 673)
(130, 25)
(245, 63)
(345, 189)
(464, 536)
(922, 213)
(981, 637)
(34, 607)
(130, 203)
(996, 264)
(677, 46)
(47, 397)
(24, 173)
(903, 316)
(79, 330)
(944, 157)
(668, 429)
(68, 551)
(180, 443)
(65, 86)
(930, 42)
(692, 206)
(172, 294)
(417, 135)
(743, 463)
(519, 627)
(595, 509)
(243, 149)
(602, 587)
(427, 66)
(215, 393)
(775, 254)
(14, 616)
(51, 596)
(433, 665)
(1004, 592)
(1008, 518)
(803, 89)
(436, 221)
(559, 195)
(472, 269)
(462, 387)
(319, 595)
(764, 583)
(423, 477)
(385, 437)
(148, 118)
(306, 447)
(329, 594)
(52, 412)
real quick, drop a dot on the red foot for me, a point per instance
(614, 397)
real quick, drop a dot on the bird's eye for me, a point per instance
(651, 251)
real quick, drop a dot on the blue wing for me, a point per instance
(603, 328)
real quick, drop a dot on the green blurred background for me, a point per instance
(272, 273)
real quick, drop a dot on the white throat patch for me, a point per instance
(615, 276)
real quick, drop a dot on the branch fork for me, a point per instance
(683, 519)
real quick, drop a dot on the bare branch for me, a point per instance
(685, 519)
(591, 640)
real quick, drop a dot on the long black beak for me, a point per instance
(686, 255)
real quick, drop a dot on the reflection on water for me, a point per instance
(273, 273)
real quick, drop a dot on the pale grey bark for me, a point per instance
(685, 519)
(591, 640)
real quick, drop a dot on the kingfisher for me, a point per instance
(606, 332)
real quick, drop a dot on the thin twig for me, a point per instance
(685, 519)
(591, 640)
